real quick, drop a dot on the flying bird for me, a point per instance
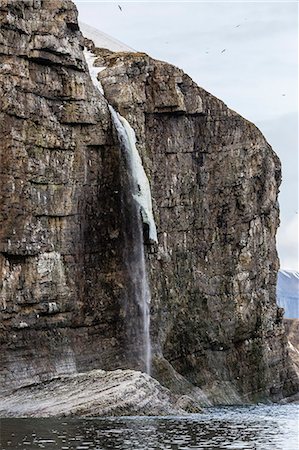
(120, 7)
(238, 26)
(224, 50)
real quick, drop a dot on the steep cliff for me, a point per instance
(61, 238)
(214, 180)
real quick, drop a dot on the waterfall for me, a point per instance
(140, 213)
(140, 184)
(139, 225)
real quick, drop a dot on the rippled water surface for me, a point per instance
(251, 427)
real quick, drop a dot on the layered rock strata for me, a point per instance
(214, 179)
(61, 235)
(292, 332)
(96, 393)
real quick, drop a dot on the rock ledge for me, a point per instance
(96, 393)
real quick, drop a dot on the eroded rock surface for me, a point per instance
(292, 331)
(216, 329)
(96, 393)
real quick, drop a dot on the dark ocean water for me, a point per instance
(251, 427)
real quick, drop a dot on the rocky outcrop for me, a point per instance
(216, 329)
(292, 331)
(96, 393)
(288, 293)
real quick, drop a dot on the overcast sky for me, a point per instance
(256, 75)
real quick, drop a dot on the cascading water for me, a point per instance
(140, 185)
(139, 221)
(137, 188)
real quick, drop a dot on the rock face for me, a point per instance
(292, 330)
(214, 180)
(61, 262)
(96, 393)
(288, 293)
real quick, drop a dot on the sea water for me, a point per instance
(270, 427)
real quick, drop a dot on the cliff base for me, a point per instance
(96, 393)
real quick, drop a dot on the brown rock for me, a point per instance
(214, 179)
(214, 182)
(292, 331)
(61, 262)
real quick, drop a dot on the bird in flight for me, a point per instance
(120, 7)
(224, 50)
